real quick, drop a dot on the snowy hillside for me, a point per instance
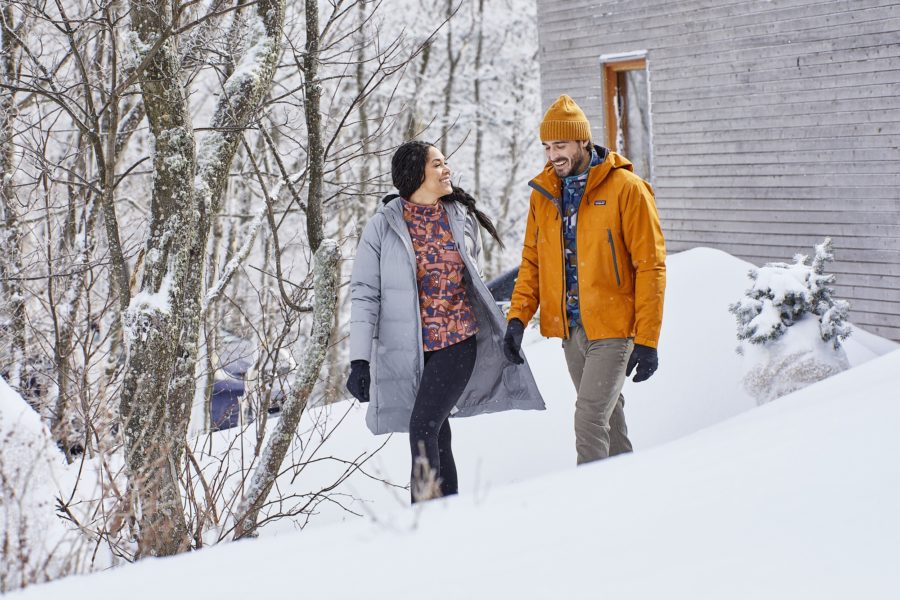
(697, 385)
(722, 499)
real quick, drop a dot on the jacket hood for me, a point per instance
(548, 182)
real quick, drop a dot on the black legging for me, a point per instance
(446, 374)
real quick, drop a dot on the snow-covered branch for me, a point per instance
(237, 260)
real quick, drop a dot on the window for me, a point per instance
(626, 107)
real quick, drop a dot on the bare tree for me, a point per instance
(316, 159)
(167, 191)
(326, 261)
(13, 311)
(164, 320)
(454, 54)
(479, 124)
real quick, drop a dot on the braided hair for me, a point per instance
(463, 197)
(408, 173)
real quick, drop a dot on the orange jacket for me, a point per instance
(621, 256)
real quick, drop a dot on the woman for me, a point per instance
(421, 315)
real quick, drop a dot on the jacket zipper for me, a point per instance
(415, 274)
(562, 247)
(612, 246)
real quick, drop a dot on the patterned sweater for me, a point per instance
(447, 316)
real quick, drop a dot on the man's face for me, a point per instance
(569, 157)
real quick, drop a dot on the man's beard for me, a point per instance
(577, 165)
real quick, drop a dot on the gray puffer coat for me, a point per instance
(386, 330)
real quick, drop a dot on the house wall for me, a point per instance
(775, 123)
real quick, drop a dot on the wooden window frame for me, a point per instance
(611, 70)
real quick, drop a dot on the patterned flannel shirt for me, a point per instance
(572, 192)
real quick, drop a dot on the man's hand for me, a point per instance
(359, 380)
(646, 360)
(512, 341)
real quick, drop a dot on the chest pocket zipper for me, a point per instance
(612, 247)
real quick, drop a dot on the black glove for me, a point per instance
(646, 360)
(359, 380)
(512, 341)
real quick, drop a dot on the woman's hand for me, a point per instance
(359, 380)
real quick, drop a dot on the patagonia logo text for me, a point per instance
(599, 202)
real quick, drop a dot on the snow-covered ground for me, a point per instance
(721, 499)
(30, 469)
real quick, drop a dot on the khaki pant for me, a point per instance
(598, 371)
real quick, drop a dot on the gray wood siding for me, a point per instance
(775, 124)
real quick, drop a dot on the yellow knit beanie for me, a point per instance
(565, 120)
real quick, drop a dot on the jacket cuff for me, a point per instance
(361, 342)
(643, 341)
(518, 314)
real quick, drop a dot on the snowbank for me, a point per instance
(720, 499)
(794, 499)
(30, 531)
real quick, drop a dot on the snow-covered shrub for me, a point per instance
(790, 326)
(33, 539)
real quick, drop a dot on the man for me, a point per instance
(594, 261)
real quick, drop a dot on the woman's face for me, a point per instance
(437, 179)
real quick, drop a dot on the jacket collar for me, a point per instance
(549, 185)
(393, 211)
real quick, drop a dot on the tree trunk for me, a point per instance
(363, 114)
(66, 288)
(118, 264)
(153, 424)
(479, 126)
(412, 119)
(313, 90)
(448, 84)
(13, 298)
(163, 321)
